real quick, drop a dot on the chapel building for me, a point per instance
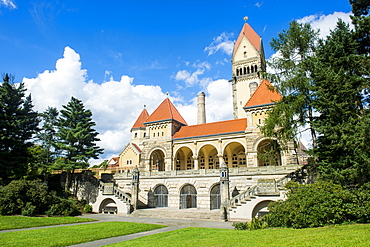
(181, 166)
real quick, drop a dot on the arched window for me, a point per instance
(215, 197)
(252, 69)
(255, 68)
(189, 163)
(157, 161)
(202, 163)
(160, 197)
(188, 197)
(241, 71)
(237, 72)
(245, 70)
(210, 162)
(135, 135)
(248, 70)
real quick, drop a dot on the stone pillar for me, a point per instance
(201, 108)
(135, 188)
(196, 163)
(224, 191)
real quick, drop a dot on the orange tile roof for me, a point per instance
(263, 95)
(251, 35)
(141, 120)
(216, 128)
(138, 149)
(165, 111)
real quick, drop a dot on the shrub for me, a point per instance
(319, 204)
(87, 208)
(28, 210)
(240, 225)
(32, 198)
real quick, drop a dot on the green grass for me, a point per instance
(346, 235)
(69, 235)
(17, 222)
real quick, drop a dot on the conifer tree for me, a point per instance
(76, 139)
(45, 152)
(293, 113)
(18, 124)
(341, 78)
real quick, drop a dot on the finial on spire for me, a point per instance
(167, 94)
(144, 106)
(245, 18)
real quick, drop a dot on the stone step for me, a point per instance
(173, 213)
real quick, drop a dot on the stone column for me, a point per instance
(135, 188)
(224, 191)
(196, 163)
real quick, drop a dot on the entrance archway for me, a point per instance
(261, 209)
(215, 197)
(188, 197)
(161, 197)
(157, 161)
(268, 152)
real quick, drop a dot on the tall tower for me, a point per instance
(248, 63)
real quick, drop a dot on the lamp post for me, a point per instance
(224, 191)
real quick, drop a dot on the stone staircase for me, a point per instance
(174, 213)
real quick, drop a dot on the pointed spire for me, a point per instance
(166, 111)
(248, 32)
(141, 119)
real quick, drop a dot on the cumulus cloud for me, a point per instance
(116, 104)
(191, 78)
(8, 3)
(223, 43)
(218, 103)
(325, 23)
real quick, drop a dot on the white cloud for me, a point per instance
(222, 43)
(325, 23)
(116, 104)
(8, 3)
(218, 103)
(191, 78)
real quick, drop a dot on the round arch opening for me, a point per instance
(188, 197)
(157, 160)
(261, 209)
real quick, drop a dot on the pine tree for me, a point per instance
(341, 79)
(291, 77)
(18, 124)
(45, 152)
(76, 139)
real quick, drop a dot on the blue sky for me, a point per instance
(119, 55)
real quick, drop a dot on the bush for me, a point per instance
(64, 207)
(28, 210)
(32, 198)
(254, 224)
(240, 225)
(319, 204)
(87, 208)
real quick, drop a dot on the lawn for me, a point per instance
(17, 222)
(69, 235)
(346, 235)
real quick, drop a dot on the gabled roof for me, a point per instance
(209, 129)
(166, 111)
(248, 32)
(263, 95)
(141, 120)
(134, 147)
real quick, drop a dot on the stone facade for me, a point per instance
(209, 166)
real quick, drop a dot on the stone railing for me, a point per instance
(237, 171)
(247, 195)
(112, 189)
